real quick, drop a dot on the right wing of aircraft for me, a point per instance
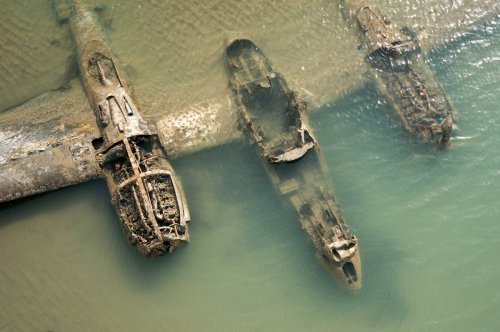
(194, 127)
(312, 46)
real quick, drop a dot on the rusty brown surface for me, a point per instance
(48, 168)
(42, 151)
(147, 194)
(268, 115)
(399, 68)
(54, 140)
(280, 133)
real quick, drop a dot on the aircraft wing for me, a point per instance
(176, 48)
(166, 82)
(193, 127)
(181, 83)
(46, 144)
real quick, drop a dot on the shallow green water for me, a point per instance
(427, 222)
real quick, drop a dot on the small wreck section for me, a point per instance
(145, 190)
(273, 117)
(402, 75)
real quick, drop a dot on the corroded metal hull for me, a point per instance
(145, 190)
(281, 135)
(146, 194)
(273, 118)
(403, 77)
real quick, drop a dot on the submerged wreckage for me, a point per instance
(145, 190)
(54, 140)
(402, 75)
(273, 118)
(69, 145)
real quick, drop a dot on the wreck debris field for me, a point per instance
(354, 141)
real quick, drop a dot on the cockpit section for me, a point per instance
(341, 256)
(146, 194)
(337, 247)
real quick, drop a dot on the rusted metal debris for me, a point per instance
(145, 190)
(402, 75)
(290, 139)
(273, 117)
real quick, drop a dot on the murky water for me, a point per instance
(427, 220)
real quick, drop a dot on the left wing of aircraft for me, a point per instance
(46, 144)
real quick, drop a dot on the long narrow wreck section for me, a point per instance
(273, 118)
(145, 190)
(402, 75)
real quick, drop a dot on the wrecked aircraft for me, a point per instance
(125, 150)
(273, 117)
(402, 75)
(55, 140)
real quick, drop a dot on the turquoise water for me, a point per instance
(427, 221)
